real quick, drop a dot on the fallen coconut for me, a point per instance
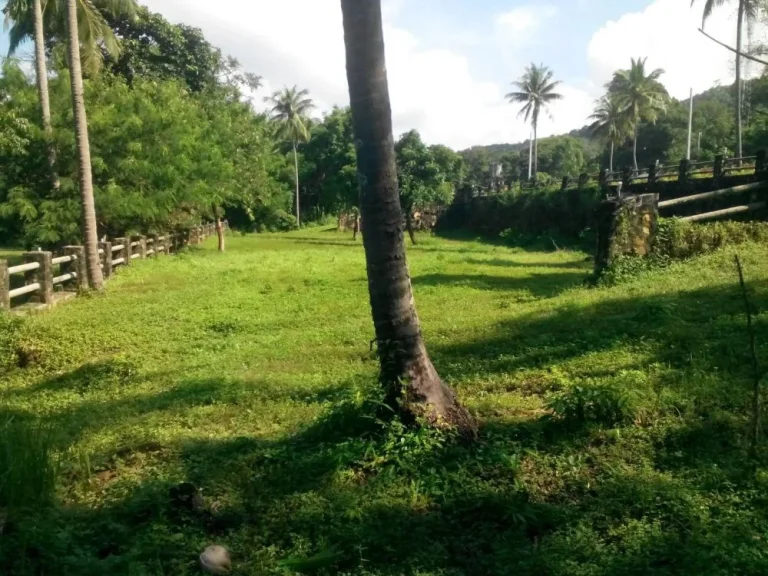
(215, 560)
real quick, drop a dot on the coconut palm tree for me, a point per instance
(609, 123)
(412, 384)
(640, 96)
(748, 11)
(536, 90)
(290, 107)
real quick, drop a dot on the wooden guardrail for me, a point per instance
(754, 205)
(46, 279)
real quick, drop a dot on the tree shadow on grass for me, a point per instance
(584, 265)
(706, 324)
(539, 285)
(345, 494)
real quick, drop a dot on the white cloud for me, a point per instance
(433, 91)
(522, 22)
(667, 33)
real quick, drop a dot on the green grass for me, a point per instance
(12, 255)
(613, 420)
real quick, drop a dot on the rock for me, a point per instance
(215, 560)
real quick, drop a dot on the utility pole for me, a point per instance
(690, 125)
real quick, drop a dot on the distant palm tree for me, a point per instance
(290, 107)
(412, 384)
(749, 11)
(609, 123)
(640, 95)
(536, 90)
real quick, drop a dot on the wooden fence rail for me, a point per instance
(46, 280)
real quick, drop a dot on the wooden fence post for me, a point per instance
(5, 286)
(77, 266)
(106, 258)
(43, 275)
(126, 252)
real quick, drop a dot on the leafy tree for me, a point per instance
(290, 107)
(18, 14)
(536, 90)
(412, 384)
(328, 159)
(152, 47)
(421, 182)
(609, 124)
(640, 96)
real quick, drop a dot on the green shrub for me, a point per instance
(281, 221)
(679, 240)
(27, 470)
(598, 404)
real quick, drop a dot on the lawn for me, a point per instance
(613, 420)
(12, 255)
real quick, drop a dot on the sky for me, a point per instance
(451, 62)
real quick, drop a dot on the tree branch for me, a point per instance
(747, 56)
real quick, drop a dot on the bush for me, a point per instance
(565, 215)
(680, 240)
(27, 470)
(281, 221)
(599, 404)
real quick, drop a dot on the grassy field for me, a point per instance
(12, 255)
(613, 420)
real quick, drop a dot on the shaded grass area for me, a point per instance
(613, 419)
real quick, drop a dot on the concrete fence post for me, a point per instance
(156, 244)
(625, 226)
(583, 179)
(652, 173)
(43, 275)
(718, 171)
(563, 185)
(141, 248)
(626, 178)
(5, 286)
(760, 162)
(77, 266)
(106, 258)
(125, 253)
(684, 171)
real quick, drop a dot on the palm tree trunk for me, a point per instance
(610, 165)
(535, 149)
(634, 147)
(88, 208)
(739, 85)
(296, 168)
(411, 382)
(42, 90)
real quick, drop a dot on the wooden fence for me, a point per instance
(44, 279)
(745, 198)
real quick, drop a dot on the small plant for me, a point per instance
(27, 469)
(599, 404)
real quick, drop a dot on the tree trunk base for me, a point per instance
(220, 234)
(421, 396)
